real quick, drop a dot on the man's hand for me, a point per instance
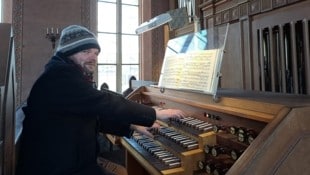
(145, 130)
(165, 114)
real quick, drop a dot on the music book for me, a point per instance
(195, 70)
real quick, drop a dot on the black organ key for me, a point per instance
(168, 158)
(192, 146)
(147, 146)
(203, 125)
(166, 129)
(191, 122)
(166, 132)
(206, 128)
(194, 123)
(184, 141)
(143, 140)
(178, 138)
(189, 142)
(151, 150)
(155, 149)
(184, 120)
(174, 164)
(171, 160)
(170, 134)
(160, 157)
(163, 154)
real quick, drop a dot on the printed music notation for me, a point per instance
(194, 70)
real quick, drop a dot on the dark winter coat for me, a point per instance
(63, 117)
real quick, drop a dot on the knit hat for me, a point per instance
(76, 38)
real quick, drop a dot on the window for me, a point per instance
(119, 57)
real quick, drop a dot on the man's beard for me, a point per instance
(89, 68)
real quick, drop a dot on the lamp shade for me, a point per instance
(154, 23)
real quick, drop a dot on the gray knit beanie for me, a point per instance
(74, 39)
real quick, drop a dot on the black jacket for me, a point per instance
(63, 117)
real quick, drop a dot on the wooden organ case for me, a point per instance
(236, 133)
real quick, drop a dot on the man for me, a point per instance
(64, 112)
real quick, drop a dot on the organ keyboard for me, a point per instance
(234, 134)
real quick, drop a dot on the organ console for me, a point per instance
(241, 133)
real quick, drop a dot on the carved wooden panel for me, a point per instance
(234, 13)
(278, 3)
(184, 30)
(254, 7)
(244, 9)
(226, 16)
(218, 19)
(292, 1)
(266, 5)
(208, 12)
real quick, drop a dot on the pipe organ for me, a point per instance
(284, 57)
(231, 133)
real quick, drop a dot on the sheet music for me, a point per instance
(193, 70)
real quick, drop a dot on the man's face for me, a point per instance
(87, 59)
